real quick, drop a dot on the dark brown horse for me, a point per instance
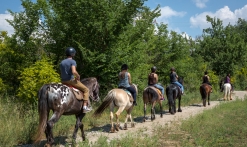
(61, 100)
(174, 92)
(152, 96)
(205, 90)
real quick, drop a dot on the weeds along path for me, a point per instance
(147, 127)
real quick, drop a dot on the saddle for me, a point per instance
(157, 90)
(180, 90)
(128, 93)
(78, 94)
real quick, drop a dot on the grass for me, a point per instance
(19, 124)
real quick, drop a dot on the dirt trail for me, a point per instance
(146, 127)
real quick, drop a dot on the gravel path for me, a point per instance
(147, 127)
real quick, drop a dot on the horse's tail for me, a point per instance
(152, 94)
(43, 111)
(203, 92)
(106, 102)
(169, 93)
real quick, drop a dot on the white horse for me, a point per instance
(121, 99)
(227, 91)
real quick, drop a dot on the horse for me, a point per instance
(227, 88)
(152, 95)
(117, 98)
(205, 90)
(174, 92)
(227, 91)
(62, 100)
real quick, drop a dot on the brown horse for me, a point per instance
(205, 90)
(123, 101)
(62, 101)
(152, 96)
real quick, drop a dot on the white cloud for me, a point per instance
(4, 25)
(166, 13)
(224, 14)
(200, 3)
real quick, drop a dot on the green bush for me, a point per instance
(32, 78)
(3, 87)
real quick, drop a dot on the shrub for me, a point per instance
(3, 87)
(32, 78)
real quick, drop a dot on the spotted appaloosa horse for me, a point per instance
(61, 100)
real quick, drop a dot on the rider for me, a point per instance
(125, 81)
(153, 81)
(174, 79)
(69, 76)
(228, 80)
(205, 79)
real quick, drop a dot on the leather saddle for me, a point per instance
(78, 94)
(157, 90)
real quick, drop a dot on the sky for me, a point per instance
(183, 16)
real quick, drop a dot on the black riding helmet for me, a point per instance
(70, 51)
(172, 69)
(153, 69)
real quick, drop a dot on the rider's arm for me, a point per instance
(75, 73)
(156, 77)
(129, 78)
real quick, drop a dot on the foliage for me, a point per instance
(33, 77)
(3, 87)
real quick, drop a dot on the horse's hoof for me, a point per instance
(125, 127)
(144, 120)
(47, 145)
(112, 130)
(132, 125)
(161, 116)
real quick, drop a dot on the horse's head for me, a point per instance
(93, 87)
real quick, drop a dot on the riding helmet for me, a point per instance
(153, 69)
(172, 69)
(70, 51)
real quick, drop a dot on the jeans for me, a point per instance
(132, 91)
(160, 88)
(180, 85)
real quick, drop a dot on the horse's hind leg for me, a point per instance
(208, 98)
(179, 105)
(153, 112)
(49, 134)
(79, 125)
(145, 110)
(120, 110)
(161, 109)
(112, 123)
